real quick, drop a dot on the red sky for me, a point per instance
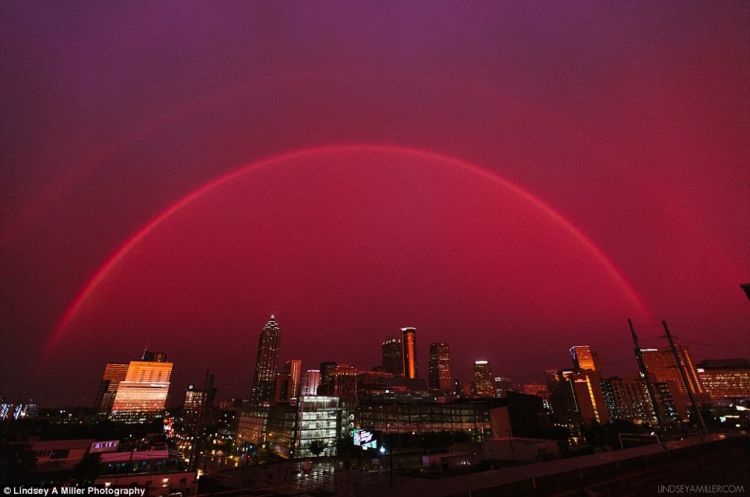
(630, 121)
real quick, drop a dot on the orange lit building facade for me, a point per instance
(143, 393)
(409, 347)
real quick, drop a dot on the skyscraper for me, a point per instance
(393, 361)
(584, 358)
(439, 374)
(342, 383)
(143, 393)
(483, 382)
(294, 369)
(266, 362)
(312, 382)
(409, 351)
(114, 373)
(661, 367)
(577, 397)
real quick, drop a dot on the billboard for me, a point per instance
(365, 439)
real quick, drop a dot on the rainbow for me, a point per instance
(90, 287)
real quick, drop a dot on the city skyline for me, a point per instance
(508, 178)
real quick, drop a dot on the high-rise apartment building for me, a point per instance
(484, 385)
(409, 351)
(142, 395)
(439, 374)
(266, 362)
(393, 360)
(628, 399)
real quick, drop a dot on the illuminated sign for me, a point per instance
(365, 439)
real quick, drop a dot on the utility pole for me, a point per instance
(644, 374)
(678, 360)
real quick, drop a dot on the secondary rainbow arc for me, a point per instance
(89, 288)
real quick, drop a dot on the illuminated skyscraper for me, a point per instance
(312, 382)
(266, 362)
(409, 351)
(484, 385)
(143, 393)
(294, 369)
(114, 373)
(584, 358)
(393, 360)
(661, 366)
(583, 398)
(439, 374)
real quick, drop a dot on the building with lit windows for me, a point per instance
(725, 378)
(311, 382)
(439, 374)
(409, 351)
(412, 416)
(294, 369)
(584, 358)
(661, 367)
(293, 429)
(142, 395)
(484, 386)
(114, 373)
(628, 399)
(577, 398)
(266, 362)
(342, 383)
(393, 357)
(502, 385)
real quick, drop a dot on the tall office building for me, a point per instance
(393, 361)
(439, 374)
(143, 393)
(342, 383)
(266, 362)
(578, 397)
(294, 369)
(311, 382)
(661, 367)
(409, 351)
(325, 369)
(114, 373)
(484, 385)
(584, 358)
(281, 391)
